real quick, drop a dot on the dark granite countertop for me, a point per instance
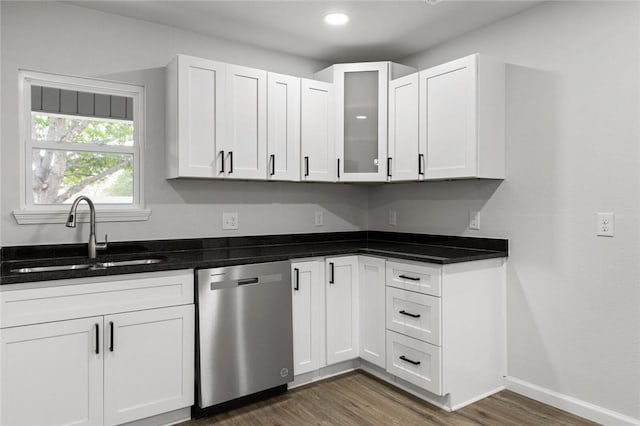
(214, 252)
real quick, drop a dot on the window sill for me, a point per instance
(34, 217)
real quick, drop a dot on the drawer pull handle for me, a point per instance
(410, 361)
(332, 273)
(409, 314)
(296, 271)
(111, 347)
(97, 350)
(407, 277)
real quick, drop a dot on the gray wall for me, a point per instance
(67, 39)
(573, 109)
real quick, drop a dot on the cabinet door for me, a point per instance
(448, 117)
(406, 158)
(308, 306)
(200, 116)
(283, 127)
(245, 147)
(317, 132)
(342, 309)
(372, 309)
(149, 363)
(361, 121)
(51, 374)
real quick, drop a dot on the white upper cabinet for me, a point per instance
(195, 116)
(462, 119)
(405, 156)
(283, 127)
(244, 150)
(317, 138)
(361, 118)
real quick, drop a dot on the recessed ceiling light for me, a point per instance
(361, 117)
(336, 19)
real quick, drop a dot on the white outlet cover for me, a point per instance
(393, 218)
(474, 220)
(230, 220)
(319, 219)
(605, 224)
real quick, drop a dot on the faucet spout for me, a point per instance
(93, 245)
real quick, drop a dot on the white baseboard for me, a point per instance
(568, 403)
(477, 398)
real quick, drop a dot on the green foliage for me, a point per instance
(67, 170)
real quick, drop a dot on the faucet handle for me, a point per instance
(102, 246)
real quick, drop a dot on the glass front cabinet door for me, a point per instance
(361, 118)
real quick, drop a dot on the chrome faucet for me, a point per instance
(71, 223)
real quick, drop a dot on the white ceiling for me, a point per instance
(378, 30)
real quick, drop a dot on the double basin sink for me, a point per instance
(90, 266)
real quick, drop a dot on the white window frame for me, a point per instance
(30, 213)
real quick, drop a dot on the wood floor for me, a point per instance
(360, 399)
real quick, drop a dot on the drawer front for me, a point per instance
(414, 277)
(414, 314)
(77, 298)
(415, 361)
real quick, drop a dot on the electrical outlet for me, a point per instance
(604, 224)
(474, 220)
(229, 220)
(393, 218)
(319, 219)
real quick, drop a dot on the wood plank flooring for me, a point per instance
(360, 399)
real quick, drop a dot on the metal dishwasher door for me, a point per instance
(244, 330)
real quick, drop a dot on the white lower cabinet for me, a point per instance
(415, 361)
(342, 309)
(437, 331)
(51, 374)
(107, 369)
(145, 372)
(372, 307)
(308, 316)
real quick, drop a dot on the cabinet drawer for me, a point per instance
(414, 314)
(414, 277)
(415, 361)
(76, 298)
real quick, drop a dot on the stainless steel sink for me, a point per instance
(134, 262)
(50, 268)
(93, 266)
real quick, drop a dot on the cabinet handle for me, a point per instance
(338, 168)
(407, 277)
(409, 314)
(420, 162)
(331, 273)
(111, 336)
(296, 272)
(306, 166)
(97, 338)
(388, 166)
(410, 361)
(273, 164)
(222, 157)
(230, 162)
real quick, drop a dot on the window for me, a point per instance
(80, 136)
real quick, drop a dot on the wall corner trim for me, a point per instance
(568, 403)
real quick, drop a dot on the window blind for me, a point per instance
(70, 102)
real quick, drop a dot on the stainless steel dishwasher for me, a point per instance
(244, 332)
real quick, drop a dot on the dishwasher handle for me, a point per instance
(246, 281)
